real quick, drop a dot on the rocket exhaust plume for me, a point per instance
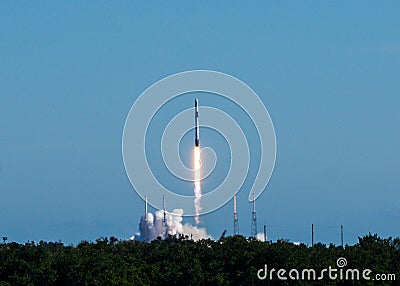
(197, 162)
(196, 123)
(197, 186)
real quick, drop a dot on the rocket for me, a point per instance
(196, 123)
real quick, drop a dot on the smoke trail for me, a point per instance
(197, 186)
(151, 227)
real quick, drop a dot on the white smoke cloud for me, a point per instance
(195, 232)
(260, 237)
(155, 227)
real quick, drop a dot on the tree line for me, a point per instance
(233, 260)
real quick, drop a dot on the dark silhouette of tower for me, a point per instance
(265, 233)
(312, 234)
(235, 218)
(164, 220)
(254, 220)
(341, 235)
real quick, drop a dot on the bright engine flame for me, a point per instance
(197, 186)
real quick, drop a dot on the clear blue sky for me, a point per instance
(328, 72)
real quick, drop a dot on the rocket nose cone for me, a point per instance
(196, 102)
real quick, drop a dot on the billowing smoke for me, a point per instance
(151, 227)
(260, 237)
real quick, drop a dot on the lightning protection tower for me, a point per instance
(145, 235)
(235, 218)
(254, 220)
(164, 220)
